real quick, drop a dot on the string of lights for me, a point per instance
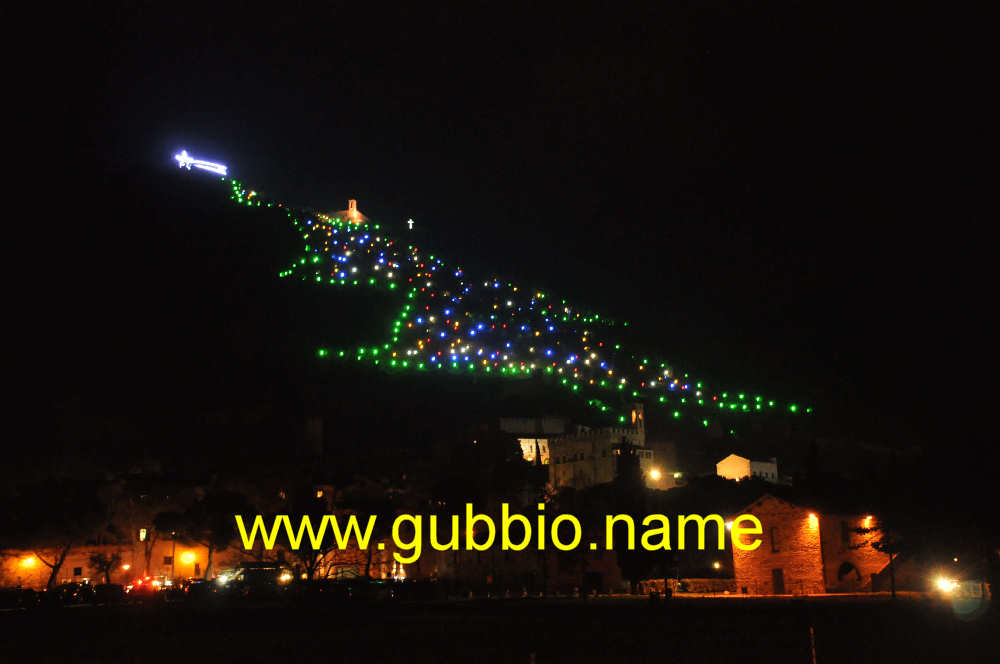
(451, 322)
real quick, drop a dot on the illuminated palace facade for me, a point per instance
(587, 456)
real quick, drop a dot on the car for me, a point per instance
(74, 593)
(145, 590)
(18, 598)
(109, 593)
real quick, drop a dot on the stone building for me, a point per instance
(805, 551)
(590, 456)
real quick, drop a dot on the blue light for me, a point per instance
(442, 335)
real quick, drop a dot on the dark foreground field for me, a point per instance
(686, 630)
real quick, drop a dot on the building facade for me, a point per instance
(805, 551)
(736, 467)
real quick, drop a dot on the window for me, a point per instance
(774, 540)
(168, 560)
(77, 571)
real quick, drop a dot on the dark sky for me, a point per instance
(781, 197)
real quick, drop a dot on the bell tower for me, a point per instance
(638, 416)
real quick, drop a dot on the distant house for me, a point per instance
(806, 551)
(735, 467)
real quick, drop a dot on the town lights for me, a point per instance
(187, 557)
(126, 566)
(285, 577)
(28, 562)
(945, 584)
(654, 474)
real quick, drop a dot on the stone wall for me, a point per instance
(790, 543)
(700, 586)
(849, 559)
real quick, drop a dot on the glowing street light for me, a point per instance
(716, 564)
(654, 474)
(28, 562)
(946, 585)
(126, 567)
(187, 557)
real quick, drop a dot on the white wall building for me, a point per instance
(736, 467)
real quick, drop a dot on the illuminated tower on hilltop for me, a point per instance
(351, 214)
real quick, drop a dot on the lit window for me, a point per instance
(142, 534)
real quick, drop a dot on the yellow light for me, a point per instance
(285, 578)
(126, 567)
(813, 519)
(187, 557)
(716, 565)
(655, 474)
(867, 522)
(729, 525)
(28, 561)
(946, 585)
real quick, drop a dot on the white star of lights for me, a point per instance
(184, 160)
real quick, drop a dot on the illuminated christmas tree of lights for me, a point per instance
(452, 322)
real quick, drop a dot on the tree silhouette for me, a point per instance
(105, 563)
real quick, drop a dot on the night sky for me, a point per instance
(780, 198)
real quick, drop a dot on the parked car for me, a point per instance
(109, 593)
(75, 593)
(18, 598)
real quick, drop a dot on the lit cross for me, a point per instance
(409, 222)
(184, 160)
